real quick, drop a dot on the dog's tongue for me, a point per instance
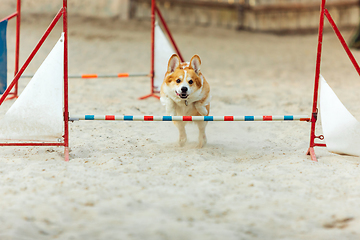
(182, 95)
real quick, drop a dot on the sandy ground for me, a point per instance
(132, 181)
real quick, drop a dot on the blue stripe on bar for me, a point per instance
(89, 117)
(208, 118)
(193, 118)
(167, 118)
(249, 118)
(128, 118)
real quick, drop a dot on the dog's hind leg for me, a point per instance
(182, 133)
(202, 135)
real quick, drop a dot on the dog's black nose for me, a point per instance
(184, 89)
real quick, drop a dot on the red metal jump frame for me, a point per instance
(154, 10)
(16, 14)
(324, 12)
(62, 12)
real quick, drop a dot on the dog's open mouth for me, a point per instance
(182, 95)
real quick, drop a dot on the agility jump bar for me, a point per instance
(304, 118)
(118, 75)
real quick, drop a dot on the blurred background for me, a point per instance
(277, 16)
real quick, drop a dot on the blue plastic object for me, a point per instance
(3, 57)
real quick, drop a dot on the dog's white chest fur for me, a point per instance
(184, 108)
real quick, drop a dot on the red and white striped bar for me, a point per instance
(303, 118)
(118, 75)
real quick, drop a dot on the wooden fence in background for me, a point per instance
(278, 16)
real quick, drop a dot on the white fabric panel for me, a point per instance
(38, 112)
(341, 129)
(163, 52)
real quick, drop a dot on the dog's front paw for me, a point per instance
(202, 141)
(182, 141)
(201, 109)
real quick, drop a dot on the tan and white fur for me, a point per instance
(185, 92)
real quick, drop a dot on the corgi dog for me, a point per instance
(185, 92)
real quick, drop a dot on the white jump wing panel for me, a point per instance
(163, 52)
(38, 112)
(341, 129)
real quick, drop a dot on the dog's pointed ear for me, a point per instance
(195, 63)
(174, 63)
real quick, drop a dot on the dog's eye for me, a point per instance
(191, 82)
(178, 81)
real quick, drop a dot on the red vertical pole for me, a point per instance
(311, 151)
(152, 70)
(17, 14)
(152, 67)
(66, 86)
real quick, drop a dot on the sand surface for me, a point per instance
(130, 180)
